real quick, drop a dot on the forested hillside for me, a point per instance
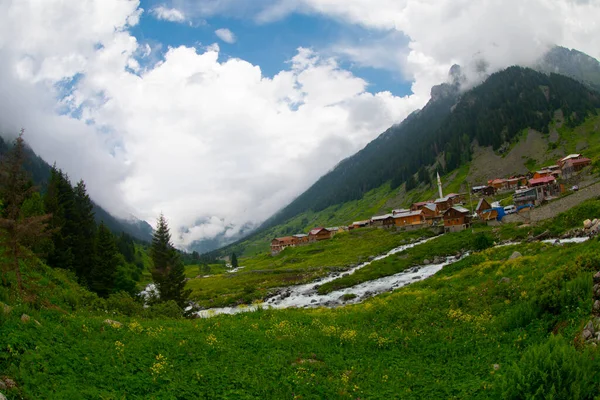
(40, 172)
(443, 132)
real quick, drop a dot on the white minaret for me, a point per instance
(440, 185)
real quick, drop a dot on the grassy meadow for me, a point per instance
(485, 327)
(477, 329)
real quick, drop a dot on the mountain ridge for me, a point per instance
(447, 100)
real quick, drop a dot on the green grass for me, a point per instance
(439, 338)
(295, 265)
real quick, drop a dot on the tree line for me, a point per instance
(59, 227)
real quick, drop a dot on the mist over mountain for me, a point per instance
(40, 174)
(440, 136)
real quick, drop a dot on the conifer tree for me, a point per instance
(234, 260)
(83, 239)
(20, 227)
(102, 276)
(60, 202)
(168, 270)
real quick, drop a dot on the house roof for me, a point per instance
(300, 235)
(408, 214)
(460, 209)
(570, 156)
(360, 222)
(420, 203)
(479, 187)
(285, 239)
(441, 199)
(431, 206)
(498, 180)
(400, 211)
(381, 217)
(481, 203)
(577, 161)
(545, 179)
(451, 195)
(543, 171)
(316, 230)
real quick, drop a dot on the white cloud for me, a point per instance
(225, 35)
(503, 32)
(215, 144)
(168, 14)
(198, 139)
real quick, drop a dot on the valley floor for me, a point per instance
(504, 322)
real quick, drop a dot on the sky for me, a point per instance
(218, 113)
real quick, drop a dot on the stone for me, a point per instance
(514, 255)
(590, 327)
(9, 383)
(2, 385)
(587, 224)
(595, 221)
(25, 318)
(113, 323)
(585, 335)
(597, 277)
(426, 262)
(6, 309)
(496, 367)
(2, 397)
(596, 307)
(504, 280)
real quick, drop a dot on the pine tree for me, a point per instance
(102, 276)
(60, 202)
(21, 228)
(83, 239)
(234, 260)
(168, 271)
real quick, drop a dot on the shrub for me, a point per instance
(124, 304)
(169, 309)
(482, 242)
(551, 370)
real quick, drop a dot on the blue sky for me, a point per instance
(271, 45)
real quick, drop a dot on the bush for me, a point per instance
(169, 309)
(482, 242)
(124, 304)
(551, 370)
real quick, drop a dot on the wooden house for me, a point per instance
(485, 190)
(443, 204)
(281, 243)
(542, 181)
(301, 239)
(498, 184)
(401, 211)
(456, 198)
(318, 234)
(456, 218)
(419, 205)
(359, 224)
(409, 218)
(431, 214)
(482, 206)
(541, 174)
(572, 166)
(386, 220)
(563, 160)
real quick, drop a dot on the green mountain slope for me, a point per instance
(397, 168)
(40, 174)
(489, 326)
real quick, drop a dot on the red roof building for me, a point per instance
(542, 181)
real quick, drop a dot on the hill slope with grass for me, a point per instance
(493, 325)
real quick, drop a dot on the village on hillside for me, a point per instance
(449, 214)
